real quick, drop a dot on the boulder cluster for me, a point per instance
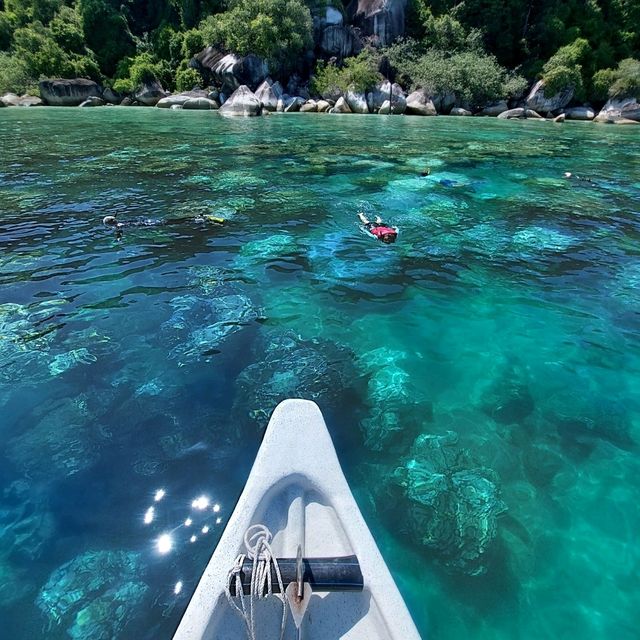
(240, 86)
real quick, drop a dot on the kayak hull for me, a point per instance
(297, 489)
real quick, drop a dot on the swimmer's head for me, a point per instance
(389, 238)
(109, 221)
(567, 174)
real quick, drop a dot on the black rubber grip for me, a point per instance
(323, 574)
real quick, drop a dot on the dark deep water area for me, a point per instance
(480, 377)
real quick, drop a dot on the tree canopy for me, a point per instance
(477, 48)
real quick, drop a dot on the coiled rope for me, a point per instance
(257, 541)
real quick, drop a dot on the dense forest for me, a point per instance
(481, 49)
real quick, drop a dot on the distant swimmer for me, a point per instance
(571, 176)
(112, 221)
(378, 229)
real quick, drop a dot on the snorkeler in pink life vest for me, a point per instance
(379, 229)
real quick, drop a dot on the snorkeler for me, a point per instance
(570, 176)
(379, 229)
(112, 221)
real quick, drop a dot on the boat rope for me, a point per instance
(257, 541)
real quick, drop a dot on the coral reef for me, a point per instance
(95, 594)
(290, 367)
(200, 325)
(453, 505)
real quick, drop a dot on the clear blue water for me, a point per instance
(508, 312)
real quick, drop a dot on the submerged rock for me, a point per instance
(507, 398)
(95, 594)
(201, 325)
(583, 420)
(26, 523)
(389, 394)
(454, 505)
(289, 367)
(62, 442)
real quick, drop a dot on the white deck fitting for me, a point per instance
(297, 489)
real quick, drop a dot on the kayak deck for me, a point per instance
(297, 489)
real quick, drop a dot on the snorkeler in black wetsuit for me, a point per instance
(112, 221)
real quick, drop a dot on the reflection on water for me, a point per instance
(479, 376)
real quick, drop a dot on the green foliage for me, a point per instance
(141, 69)
(26, 11)
(123, 85)
(623, 82)
(107, 32)
(358, 73)
(44, 57)
(447, 34)
(514, 86)
(14, 75)
(66, 29)
(193, 42)
(277, 30)
(584, 43)
(564, 68)
(187, 78)
(475, 78)
(6, 31)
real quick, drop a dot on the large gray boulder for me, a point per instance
(179, 99)
(150, 93)
(229, 70)
(61, 92)
(200, 103)
(293, 104)
(268, 93)
(29, 101)
(384, 91)
(419, 103)
(111, 96)
(242, 102)
(444, 102)
(459, 111)
(10, 100)
(619, 109)
(341, 106)
(357, 101)
(495, 108)
(311, 106)
(538, 101)
(171, 101)
(580, 113)
(382, 19)
(397, 107)
(520, 112)
(340, 41)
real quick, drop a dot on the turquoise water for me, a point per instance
(136, 373)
